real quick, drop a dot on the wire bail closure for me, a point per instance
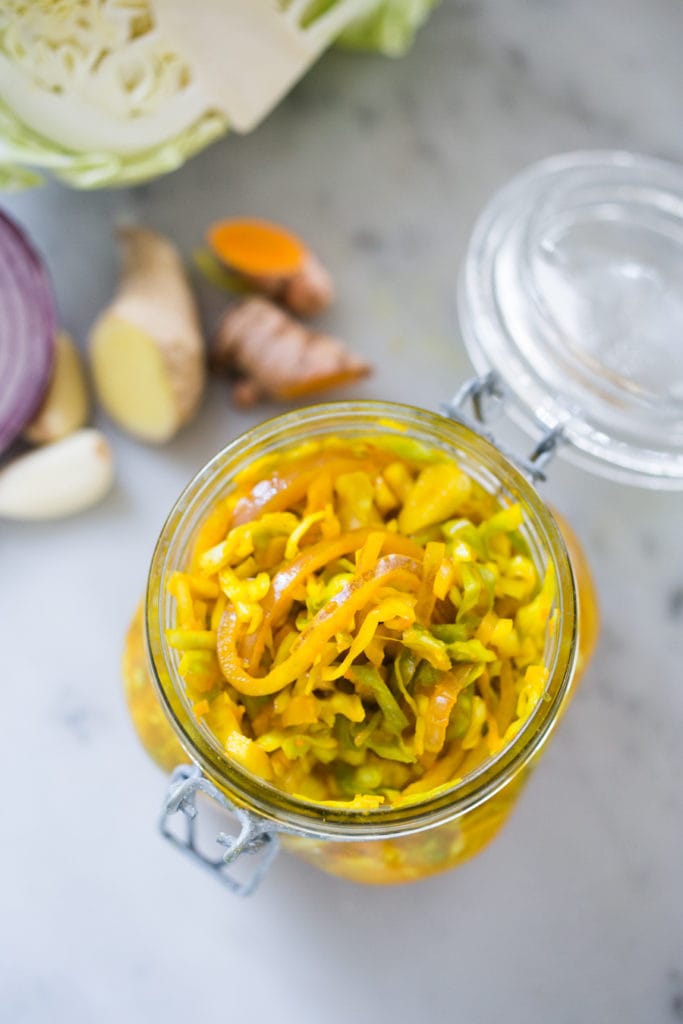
(255, 835)
(487, 397)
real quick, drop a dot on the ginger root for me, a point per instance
(272, 260)
(146, 348)
(279, 357)
(65, 406)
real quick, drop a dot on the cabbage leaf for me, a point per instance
(389, 28)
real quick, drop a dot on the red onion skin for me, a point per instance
(27, 330)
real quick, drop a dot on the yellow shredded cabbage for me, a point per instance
(361, 624)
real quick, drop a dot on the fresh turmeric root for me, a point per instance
(277, 356)
(272, 260)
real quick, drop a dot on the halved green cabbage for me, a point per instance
(97, 94)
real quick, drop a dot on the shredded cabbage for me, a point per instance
(338, 651)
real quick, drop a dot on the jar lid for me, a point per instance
(572, 293)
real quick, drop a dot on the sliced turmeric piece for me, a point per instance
(257, 248)
(274, 261)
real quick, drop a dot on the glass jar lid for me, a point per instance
(572, 293)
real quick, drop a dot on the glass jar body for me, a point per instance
(412, 848)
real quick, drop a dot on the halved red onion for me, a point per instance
(27, 330)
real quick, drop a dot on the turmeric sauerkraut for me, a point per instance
(361, 622)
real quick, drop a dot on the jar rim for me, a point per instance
(364, 418)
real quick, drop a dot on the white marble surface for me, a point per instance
(576, 913)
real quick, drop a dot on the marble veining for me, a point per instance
(575, 915)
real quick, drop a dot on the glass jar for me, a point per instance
(387, 844)
(570, 307)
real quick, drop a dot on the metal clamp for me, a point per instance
(487, 396)
(255, 836)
